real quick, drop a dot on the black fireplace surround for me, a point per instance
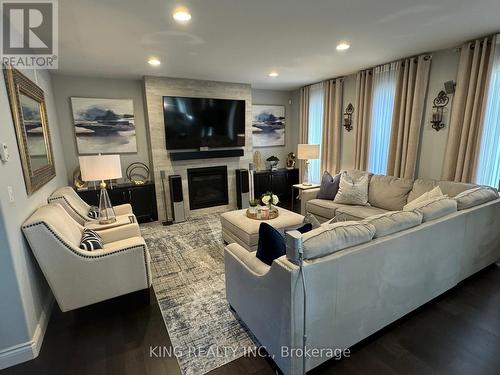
(207, 187)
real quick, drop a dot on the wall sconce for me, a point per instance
(438, 109)
(348, 117)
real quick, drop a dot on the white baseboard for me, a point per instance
(29, 350)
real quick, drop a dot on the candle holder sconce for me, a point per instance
(438, 110)
(348, 117)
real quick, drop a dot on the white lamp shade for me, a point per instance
(100, 167)
(307, 152)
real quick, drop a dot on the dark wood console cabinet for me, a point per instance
(279, 182)
(142, 198)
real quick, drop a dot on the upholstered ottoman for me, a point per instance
(237, 227)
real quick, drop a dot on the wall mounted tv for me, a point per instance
(192, 123)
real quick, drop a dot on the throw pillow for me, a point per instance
(329, 186)
(91, 240)
(272, 243)
(311, 219)
(353, 190)
(93, 212)
(434, 193)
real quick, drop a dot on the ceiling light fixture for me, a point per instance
(182, 15)
(342, 46)
(153, 61)
(273, 74)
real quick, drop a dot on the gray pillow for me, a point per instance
(329, 186)
(311, 219)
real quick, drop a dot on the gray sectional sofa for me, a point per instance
(385, 193)
(357, 281)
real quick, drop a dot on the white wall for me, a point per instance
(26, 298)
(67, 86)
(276, 97)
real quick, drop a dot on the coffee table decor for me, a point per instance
(263, 213)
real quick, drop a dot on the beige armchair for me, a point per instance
(77, 208)
(78, 277)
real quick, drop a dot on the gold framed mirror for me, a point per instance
(29, 113)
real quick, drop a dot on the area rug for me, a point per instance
(187, 261)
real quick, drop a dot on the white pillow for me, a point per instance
(434, 193)
(353, 190)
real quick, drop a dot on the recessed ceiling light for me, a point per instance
(153, 61)
(273, 74)
(182, 15)
(342, 46)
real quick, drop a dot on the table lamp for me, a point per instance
(307, 152)
(100, 168)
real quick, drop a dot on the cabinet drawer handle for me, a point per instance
(130, 195)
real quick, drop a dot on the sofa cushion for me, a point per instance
(329, 186)
(311, 219)
(450, 188)
(394, 221)
(475, 197)
(353, 190)
(322, 207)
(330, 238)
(434, 193)
(357, 212)
(436, 207)
(389, 192)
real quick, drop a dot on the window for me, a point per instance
(384, 90)
(488, 168)
(315, 129)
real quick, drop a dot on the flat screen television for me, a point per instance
(191, 123)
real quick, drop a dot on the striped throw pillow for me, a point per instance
(91, 240)
(93, 212)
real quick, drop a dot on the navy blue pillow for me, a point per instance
(272, 243)
(329, 186)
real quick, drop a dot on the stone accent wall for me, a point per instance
(155, 88)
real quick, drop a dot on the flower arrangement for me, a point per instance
(269, 199)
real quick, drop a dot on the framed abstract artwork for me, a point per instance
(268, 125)
(104, 126)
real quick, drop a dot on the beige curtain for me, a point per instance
(332, 124)
(303, 124)
(362, 116)
(408, 116)
(474, 68)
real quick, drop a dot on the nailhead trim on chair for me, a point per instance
(70, 206)
(94, 256)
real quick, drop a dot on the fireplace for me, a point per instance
(207, 187)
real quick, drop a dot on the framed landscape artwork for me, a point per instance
(104, 125)
(268, 125)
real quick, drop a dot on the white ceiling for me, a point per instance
(243, 40)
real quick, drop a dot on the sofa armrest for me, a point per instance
(247, 259)
(123, 209)
(121, 232)
(305, 196)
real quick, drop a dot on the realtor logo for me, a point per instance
(29, 34)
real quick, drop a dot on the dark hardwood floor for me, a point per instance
(457, 333)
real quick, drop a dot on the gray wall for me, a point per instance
(26, 298)
(292, 122)
(67, 86)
